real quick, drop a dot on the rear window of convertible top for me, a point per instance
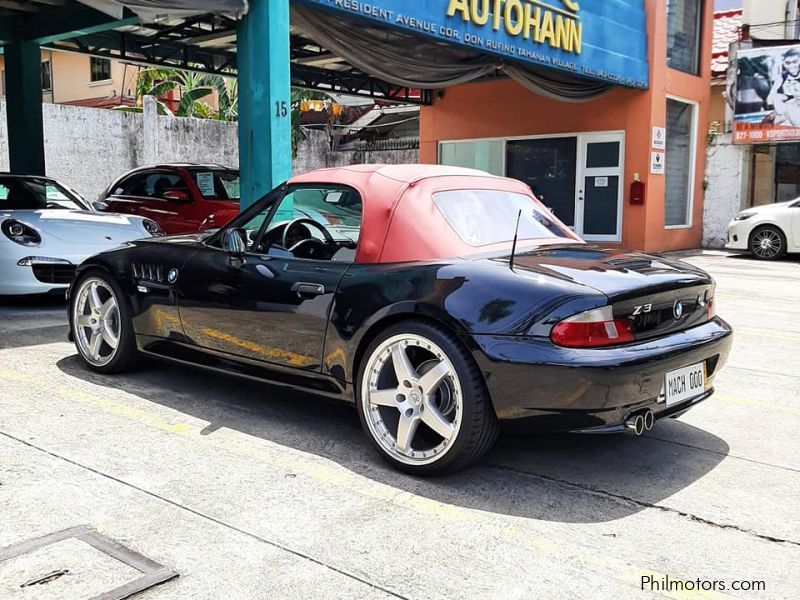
(486, 217)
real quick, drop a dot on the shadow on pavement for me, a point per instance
(563, 478)
(32, 320)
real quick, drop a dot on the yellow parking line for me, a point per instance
(118, 408)
(321, 470)
(789, 410)
(767, 335)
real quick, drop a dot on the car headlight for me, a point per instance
(21, 233)
(153, 228)
(743, 216)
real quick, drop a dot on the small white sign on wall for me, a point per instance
(601, 182)
(657, 160)
(659, 138)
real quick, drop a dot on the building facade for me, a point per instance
(749, 49)
(70, 78)
(585, 159)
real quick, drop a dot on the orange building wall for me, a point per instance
(503, 108)
(71, 73)
(718, 105)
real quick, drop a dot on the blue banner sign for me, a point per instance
(604, 40)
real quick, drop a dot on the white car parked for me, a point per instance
(768, 231)
(46, 230)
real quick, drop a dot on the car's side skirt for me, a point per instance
(237, 366)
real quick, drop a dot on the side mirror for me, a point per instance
(99, 205)
(177, 196)
(233, 242)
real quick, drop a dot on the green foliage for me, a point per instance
(191, 88)
(298, 97)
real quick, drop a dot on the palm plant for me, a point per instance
(192, 88)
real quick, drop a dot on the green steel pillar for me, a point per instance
(24, 107)
(265, 112)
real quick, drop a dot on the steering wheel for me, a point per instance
(308, 244)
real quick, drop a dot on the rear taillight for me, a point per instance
(592, 329)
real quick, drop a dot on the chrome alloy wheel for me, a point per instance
(767, 243)
(412, 399)
(96, 321)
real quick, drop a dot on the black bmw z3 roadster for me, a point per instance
(443, 302)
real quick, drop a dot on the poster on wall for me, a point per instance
(767, 107)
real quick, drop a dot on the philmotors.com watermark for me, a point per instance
(667, 584)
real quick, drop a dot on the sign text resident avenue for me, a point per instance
(604, 41)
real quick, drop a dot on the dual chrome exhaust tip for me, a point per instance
(640, 422)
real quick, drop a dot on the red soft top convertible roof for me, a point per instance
(400, 221)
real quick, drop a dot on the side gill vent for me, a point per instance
(148, 272)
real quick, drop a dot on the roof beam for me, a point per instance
(17, 5)
(65, 22)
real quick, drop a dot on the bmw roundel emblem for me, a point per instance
(172, 276)
(677, 309)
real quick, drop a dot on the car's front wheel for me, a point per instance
(768, 243)
(101, 325)
(422, 400)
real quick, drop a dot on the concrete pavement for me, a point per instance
(251, 492)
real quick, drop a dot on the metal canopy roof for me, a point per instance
(204, 43)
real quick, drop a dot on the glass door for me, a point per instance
(598, 206)
(577, 176)
(548, 166)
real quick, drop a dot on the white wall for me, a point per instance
(87, 148)
(314, 153)
(772, 13)
(725, 174)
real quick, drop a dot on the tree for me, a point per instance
(191, 88)
(298, 97)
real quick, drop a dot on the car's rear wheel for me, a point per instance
(422, 400)
(101, 324)
(768, 243)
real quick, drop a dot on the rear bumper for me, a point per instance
(537, 386)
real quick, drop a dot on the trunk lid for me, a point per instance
(658, 295)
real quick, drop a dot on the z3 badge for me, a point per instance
(642, 310)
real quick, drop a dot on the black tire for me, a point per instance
(479, 427)
(126, 357)
(772, 253)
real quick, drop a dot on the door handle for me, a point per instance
(308, 290)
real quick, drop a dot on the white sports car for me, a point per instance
(46, 230)
(768, 231)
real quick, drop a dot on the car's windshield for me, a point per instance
(217, 184)
(33, 193)
(486, 217)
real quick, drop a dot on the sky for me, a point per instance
(726, 4)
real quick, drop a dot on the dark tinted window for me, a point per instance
(679, 177)
(547, 165)
(100, 69)
(17, 193)
(151, 185)
(683, 35)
